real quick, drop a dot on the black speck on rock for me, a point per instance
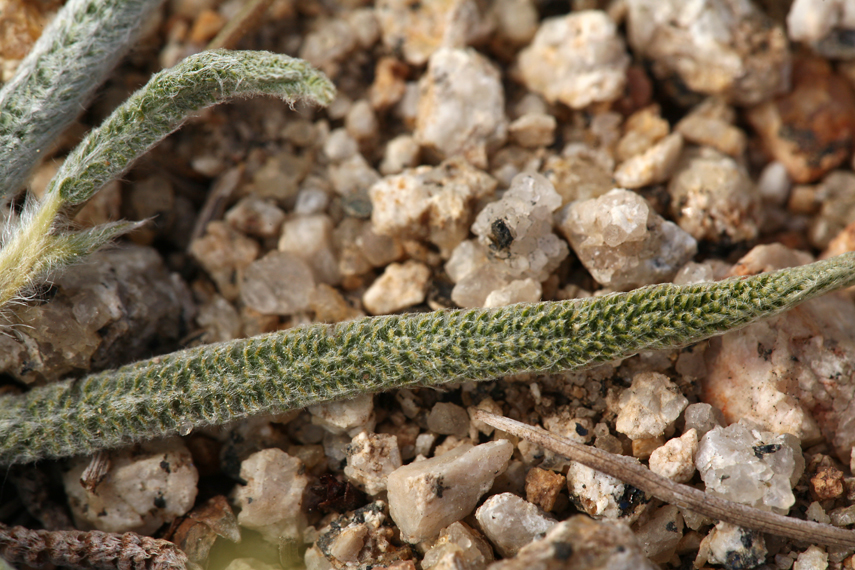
(563, 550)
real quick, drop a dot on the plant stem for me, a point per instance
(218, 383)
(673, 493)
(20, 258)
(69, 61)
(31, 249)
(169, 98)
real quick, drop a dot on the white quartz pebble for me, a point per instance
(458, 547)
(717, 47)
(461, 108)
(701, 417)
(652, 166)
(255, 216)
(649, 406)
(142, 489)
(814, 558)
(580, 543)
(279, 283)
(713, 198)
(576, 59)
(676, 459)
(271, 499)
(732, 545)
(370, 459)
(400, 286)
(345, 416)
(428, 495)
(511, 522)
(430, 202)
(310, 239)
(518, 291)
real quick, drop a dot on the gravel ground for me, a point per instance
(478, 154)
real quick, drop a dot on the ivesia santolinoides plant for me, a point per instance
(223, 382)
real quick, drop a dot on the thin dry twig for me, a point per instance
(93, 550)
(244, 22)
(96, 471)
(666, 490)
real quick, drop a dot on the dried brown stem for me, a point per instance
(663, 488)
(245, 21)
(93, 550)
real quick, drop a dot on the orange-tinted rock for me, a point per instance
(810, 129)
(542, 487)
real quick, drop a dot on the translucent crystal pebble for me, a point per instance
(511, 522)
(623, 242)
(661, 534)
(519, 291)
(340, 145)
(749, 466)
(361, 122)
(352, 175)
(345, 416)
(465, 259)
(473, 289)
(774, 183)
(277, 284)
(458, 546)
(702, 418)
(311, 199)
(310, 239)
(518, 228)
(694, 273)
